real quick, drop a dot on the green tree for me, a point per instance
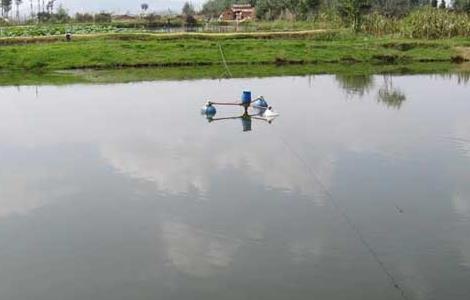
(309, 7)
(461, 5)
(188, 9)
(270, 9)
(353, 10)
(103, 17)
(62, 14)
(392, 8)
(213, 8)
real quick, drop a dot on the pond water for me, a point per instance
(358, 190)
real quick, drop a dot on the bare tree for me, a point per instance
(18, 3)
(6, 7)
(50, 6)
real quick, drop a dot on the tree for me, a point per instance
(103, 17)
(62, 14)
(18, 3)
(352, 11)
(442, 5)
(188, 9)
(50, 6)
(309, 7)
(393, 8)
(434, 3)
(213, 8)
(144, 6)
(84, 17)
(461, 5)
(6, 7)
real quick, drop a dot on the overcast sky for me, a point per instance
(116, 6)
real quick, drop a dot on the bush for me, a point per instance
(103, 17)
(190, 20)
(152, 17)
(84, 18)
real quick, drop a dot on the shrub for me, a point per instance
(84, 18)
(103, 17)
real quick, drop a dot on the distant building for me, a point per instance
(238, 12)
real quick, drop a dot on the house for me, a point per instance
(238, 12)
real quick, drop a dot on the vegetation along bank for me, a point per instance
(141, 50)
(426, 34)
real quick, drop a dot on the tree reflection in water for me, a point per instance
(390, 96)
(355, 84)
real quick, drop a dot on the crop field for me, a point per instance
(60, 29)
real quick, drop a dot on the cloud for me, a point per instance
(195, 252)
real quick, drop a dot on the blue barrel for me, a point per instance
(246, 97)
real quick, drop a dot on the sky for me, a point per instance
(116, 6)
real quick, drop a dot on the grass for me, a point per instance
(104, 51)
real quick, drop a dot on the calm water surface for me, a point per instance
(359, 190)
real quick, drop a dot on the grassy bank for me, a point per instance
(142, 50)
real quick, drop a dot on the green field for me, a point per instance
(102, 51)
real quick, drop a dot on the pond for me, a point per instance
(358, 190)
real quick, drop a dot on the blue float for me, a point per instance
(209, 110)
(246, 98)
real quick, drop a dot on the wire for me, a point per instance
(348, 220)
(224, 61)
